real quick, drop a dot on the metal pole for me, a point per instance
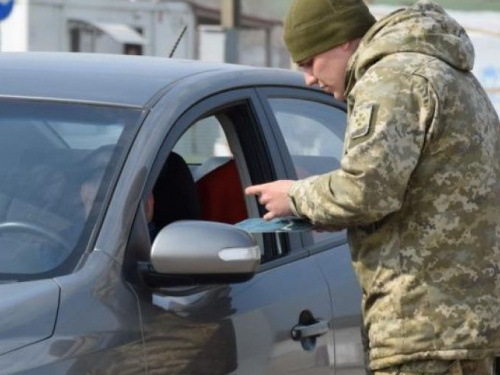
(231, 21)
(269, 50)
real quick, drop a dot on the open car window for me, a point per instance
(56, 162)
(224, 156)
(205, 147)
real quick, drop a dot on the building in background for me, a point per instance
(152, 27)
(145, 27)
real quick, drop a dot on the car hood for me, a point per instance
(28, 312)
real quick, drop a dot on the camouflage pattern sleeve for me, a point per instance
(388, 118)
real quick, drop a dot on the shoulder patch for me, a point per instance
(361, 120)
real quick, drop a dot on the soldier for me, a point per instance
(419, 182)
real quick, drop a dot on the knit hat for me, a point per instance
(315, 26)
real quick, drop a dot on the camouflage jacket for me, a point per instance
(419, 191)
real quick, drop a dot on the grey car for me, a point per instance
(121, 179)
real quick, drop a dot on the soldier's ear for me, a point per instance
(346, 46)
(350, 45)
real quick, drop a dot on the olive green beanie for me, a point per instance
(315, 26)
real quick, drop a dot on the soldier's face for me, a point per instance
(328, 70)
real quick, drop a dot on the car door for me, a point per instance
(279, 322)
(310, 127)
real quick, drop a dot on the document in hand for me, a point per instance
(286, 224)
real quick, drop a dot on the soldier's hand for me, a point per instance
(274, 197)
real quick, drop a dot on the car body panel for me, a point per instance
(243, 328)
(29, 312)
(225, 319)
(332, 256)
(90, 78)
(106, 320)
(109, 79)
(345, 293)
(98, 326)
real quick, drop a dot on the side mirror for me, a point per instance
(203, 252)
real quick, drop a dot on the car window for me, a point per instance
(86, 136)
(198, 181)
(206, 150)
(314, 135)
(221, 156)
(55, 159)
(203, 140)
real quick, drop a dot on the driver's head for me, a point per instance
(95, 167)
(88, 191)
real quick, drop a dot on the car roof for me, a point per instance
(116, 79)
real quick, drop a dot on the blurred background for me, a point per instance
(235, 31)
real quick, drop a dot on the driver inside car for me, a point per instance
(97, 164)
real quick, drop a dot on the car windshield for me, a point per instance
(57, 161)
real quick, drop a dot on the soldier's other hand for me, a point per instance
(274, 197)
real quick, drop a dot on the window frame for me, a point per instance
(258, 139)
(266, 94)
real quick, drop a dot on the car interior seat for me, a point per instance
(175, 193)
(175, 199)
(220, 191)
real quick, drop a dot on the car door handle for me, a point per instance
(300, 332)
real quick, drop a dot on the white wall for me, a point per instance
(42, 25)
(161, 24)
(167, 23)
(212, 43)
(46, 27)
(487, 64)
